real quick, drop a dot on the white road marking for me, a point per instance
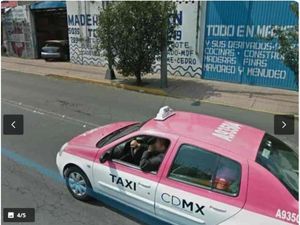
(38, 112)
(44, 112)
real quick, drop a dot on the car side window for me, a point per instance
(198, 167)
(143, 152)
(228, 177)
(194, 166)
(124, 153)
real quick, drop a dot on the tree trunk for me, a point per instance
(164, 67)
(138, 78)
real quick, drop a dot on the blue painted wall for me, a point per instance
(236, 47)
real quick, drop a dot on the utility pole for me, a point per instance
(164, 68)
(164, 52)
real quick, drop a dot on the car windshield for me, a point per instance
(119, 133)
(281, 161)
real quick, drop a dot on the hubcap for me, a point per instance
(77, 184)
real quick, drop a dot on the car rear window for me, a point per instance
(198, 167)
(118, 134)
(281, 161)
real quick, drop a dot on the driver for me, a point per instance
(152, 158)
(133, 155)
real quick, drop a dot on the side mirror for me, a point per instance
(105, 156)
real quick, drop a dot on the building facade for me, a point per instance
(82, 24)
(17, 32)
(28, 24)
(217, 40)
(225, 41)
(238, 48)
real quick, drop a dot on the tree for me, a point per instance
(105, 36)
(288, 44)
(138, 30)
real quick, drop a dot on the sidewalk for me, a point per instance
(255, 98)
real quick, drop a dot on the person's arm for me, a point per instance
(137, 155)
(149, 163)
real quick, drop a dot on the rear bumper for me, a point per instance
(50, 55)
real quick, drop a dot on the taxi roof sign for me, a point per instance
(164, 113)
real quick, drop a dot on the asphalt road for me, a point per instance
(56, 110)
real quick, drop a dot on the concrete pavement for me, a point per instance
(254, 98)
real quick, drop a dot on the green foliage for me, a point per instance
(134, 33)
(288, 44)
(105, 34)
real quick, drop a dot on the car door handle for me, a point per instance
(218, 209)
(144, 185)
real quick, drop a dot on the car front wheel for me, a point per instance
(78, 184)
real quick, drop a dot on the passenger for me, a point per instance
(225, 178)
(152, 158)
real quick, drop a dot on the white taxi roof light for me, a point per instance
(164, 113)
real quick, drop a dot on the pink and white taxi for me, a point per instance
(213, 171)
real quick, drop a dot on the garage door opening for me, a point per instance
(50, 20)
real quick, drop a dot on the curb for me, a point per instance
(147, 90)
(155, 91)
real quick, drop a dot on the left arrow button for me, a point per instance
(13, 124)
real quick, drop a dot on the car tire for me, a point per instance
(78, 183)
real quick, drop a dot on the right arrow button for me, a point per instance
(284, 124)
